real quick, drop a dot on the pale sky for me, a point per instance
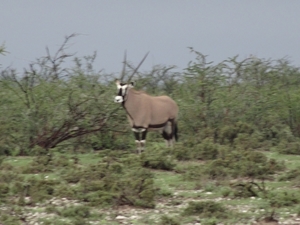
(217, 28)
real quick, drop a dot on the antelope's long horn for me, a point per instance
(124, 66)
(136, 69)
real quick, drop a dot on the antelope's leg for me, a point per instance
(143, 140)
(167, 134)
(137, 141)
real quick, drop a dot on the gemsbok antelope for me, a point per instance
(147, 113)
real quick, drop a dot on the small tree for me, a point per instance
(49, 104)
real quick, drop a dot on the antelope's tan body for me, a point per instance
(151, 112)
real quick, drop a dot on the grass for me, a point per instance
(172, 181)
(18, 161)
(291, 161)
(174, 194)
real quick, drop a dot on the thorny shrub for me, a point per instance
(285, 147)
(9, 218)
(49, 163)
(157, 158)
(79, 211)
(206, 209)
(247, 189)
(112, 183)
(243, 164)
(205, 150)
(291, 175)
(181, 152)
(166, 220)
(283, 198)
(38, 189)
(234, 164)
(228, 134)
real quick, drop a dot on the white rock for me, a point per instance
(134, 217)
(121, 217)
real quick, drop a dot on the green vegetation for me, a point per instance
(206, 209)
(67, 155)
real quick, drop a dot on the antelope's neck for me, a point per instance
(132, 102)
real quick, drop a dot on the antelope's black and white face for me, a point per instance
(122, 91)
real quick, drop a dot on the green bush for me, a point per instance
(218, 169)
(206, 209)
(114, 183)
(225, 191)
(246, 189)
(291, 175)
(109, 140)
(245, 141)
(131, 161)
(7, 219)
(79, 211)
(60, 161)
(285, 147)
(278, 132)
(193, 172)
(7, 176)
(64, 190)
(242, 164)
(228, 134)
(5, 151)
(283, 198)
(210, 221)
(206, 150)
(238, 133)
(4, 190)
(6, 166)
(298, 210)
(39, 189)
(156, 158)
(39, 164)
(182, 152)
(137, 188)
(166, 220)
(100, 198)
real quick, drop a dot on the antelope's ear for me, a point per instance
(117, 81)
(131, 84)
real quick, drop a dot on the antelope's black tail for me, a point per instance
(176, 131)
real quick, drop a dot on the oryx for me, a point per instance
(147, 113)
